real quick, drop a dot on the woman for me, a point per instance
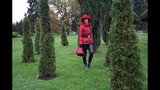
(86, 39)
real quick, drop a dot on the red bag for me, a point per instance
(79, 52)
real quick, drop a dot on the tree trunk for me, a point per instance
(106, 19)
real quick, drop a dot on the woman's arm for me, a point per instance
(80, 35)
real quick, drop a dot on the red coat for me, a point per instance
(85, 33)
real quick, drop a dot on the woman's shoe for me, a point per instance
(89, 66)
(85, 65)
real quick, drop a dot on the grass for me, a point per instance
(69, 67)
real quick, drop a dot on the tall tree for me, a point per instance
(32, 13)
(93, 8)
(64, 40)
(105, 19)
(124, 56)
(62, 7)
(18, 27)
(139, 6)
(27, 55)
(74, 25)
(144, 16)
(54, 21)
(66, 9)
(47, 65)
(13, 27)
(74, 12)
(37, 36)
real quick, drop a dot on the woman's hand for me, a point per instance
(80, 45)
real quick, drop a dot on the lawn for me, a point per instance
(69, 68)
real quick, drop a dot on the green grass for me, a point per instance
(69, 68)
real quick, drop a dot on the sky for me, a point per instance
(19, 8)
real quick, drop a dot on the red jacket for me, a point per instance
(85, 33)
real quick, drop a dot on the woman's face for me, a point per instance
(85, 20)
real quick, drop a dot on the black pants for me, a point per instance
(85, 48)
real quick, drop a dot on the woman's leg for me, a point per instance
(85, 53)
(90, 56)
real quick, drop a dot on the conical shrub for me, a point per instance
(27, 55)
(47, 65)
(124, 53)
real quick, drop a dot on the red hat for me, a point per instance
(86, 17)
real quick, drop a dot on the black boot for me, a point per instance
(89, 66)
(85, 65)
